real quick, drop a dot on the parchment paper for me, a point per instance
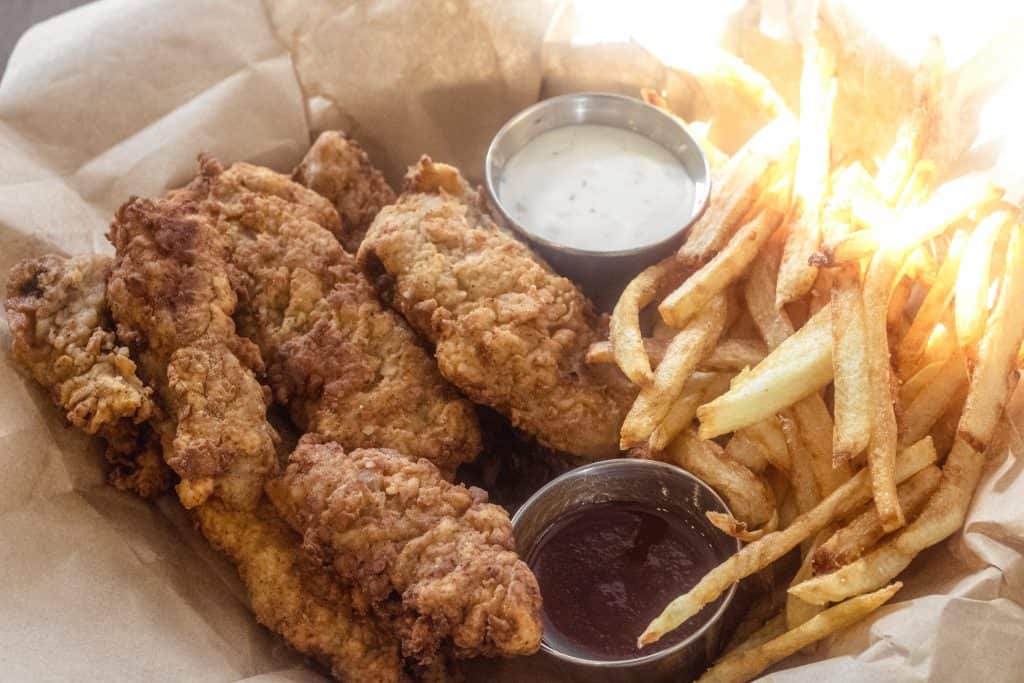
(118, 97)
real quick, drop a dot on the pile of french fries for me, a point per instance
(833, 349)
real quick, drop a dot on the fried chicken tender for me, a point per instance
(340, 170)
(293, 596)
(345, 366)
(508, 331)
(393, 526)
(172, 294)
(62, 334)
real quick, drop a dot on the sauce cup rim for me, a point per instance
(652, 466)
(702, 192)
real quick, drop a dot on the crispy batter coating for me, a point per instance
(508, 331)
(344, 365)
(292, 596)
(172, 295)
(339, 169)
(393, 526)
(62, 334)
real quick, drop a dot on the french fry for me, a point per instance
(945, 511)
(745, 664)
(932, 308)
(950, 202)
(739, 77)
(816, 429)
(759, 293)
(748, 496)
(918, 381)
(915, 134)
(747, 175)
(853, 247)
(800, 366)
(759, 554)
(864, 530)
(701, 387)
(731, 526)
(973, 280)
(801, 475)
(771, 629)
(919, 185)
(717, 159)
(722, 270)
(734, 355)
(769, 437)
(745, 451)
(810, 185)
(941, 342)
(798, 611)
(687, 349)
(624, 325)
(849, 364)
(933, 399)
(601, 352)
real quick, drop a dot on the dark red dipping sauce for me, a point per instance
(606, 570)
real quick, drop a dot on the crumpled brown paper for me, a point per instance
(117, 98)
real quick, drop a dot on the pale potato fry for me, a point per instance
(717, 159)
(800, 366)
(974, 279)
(810, 185)
(685, 352)
(945, 511)
(773, 628)
(932, 308)
(918, 381)
(739, 77)
(745, 664)
(853, 247)
(748, 496)
(933, 399)
(745, 451)
(748, 174)
(849, 367)
(769, 437)
(941, 342)
(601, 352)
(805, 489)
(864, 530)
(759, 554)
(949, 203)
(724, 268)
(731, 526)
(944, 430)
(898, 297)
(624, 324)
(816, 429)
(735, 355)
(700, 388)
(798, 611)
(919, 185)
(759, 293)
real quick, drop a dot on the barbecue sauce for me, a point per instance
(606, 570)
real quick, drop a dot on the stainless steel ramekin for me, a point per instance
(602, 274)
(635, 481)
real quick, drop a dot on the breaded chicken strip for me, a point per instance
(509, 332)
(345, 366)
(172, 295)
(339, 169)
(293, 596)
(392, 526)
(61, 332)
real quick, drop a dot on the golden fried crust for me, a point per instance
(62, 334)
(393, 526)
(290, 595)
(508, 331)
(345, 366)
(172, 294)
(340, 170)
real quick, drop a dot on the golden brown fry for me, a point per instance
(749, 497)
(687, 349)
(773, 628)
(853, 247)
(918, 381)
(737, 76)
(745, 451)
(810, 185)
(759, 554)
(722, 270)
(701, 387)
(991, 384)
(624, 324)
(932, 308)
(601, 352)
(748, 174)
(864, 530)
(974, 279)
(745, 664)
(735, 355)
(849, 367)
(950, 202)
(933, 399)
(800, 366)
(805, 489)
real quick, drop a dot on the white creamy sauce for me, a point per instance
(596, 187)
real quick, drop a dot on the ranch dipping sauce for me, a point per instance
(597, 188)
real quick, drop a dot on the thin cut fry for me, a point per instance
(769, 437)
(973, 280)
(624, 325)
(800, 366)
(601, 352)
(745, 664)
(735, 355)
(810, 186)
(929, 405)
(798, 611)
(773, 628)
(849, 362)
(731, 526)
(801, 475)
(816, 429)
(759, 554)
(864, 530)
(759, 293)
(918, 381)
(745, 451)
(991, 384)
(701, 387)
(687, 349)
(722, 270)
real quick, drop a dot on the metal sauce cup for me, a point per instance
(649, 483)
(602, 274)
